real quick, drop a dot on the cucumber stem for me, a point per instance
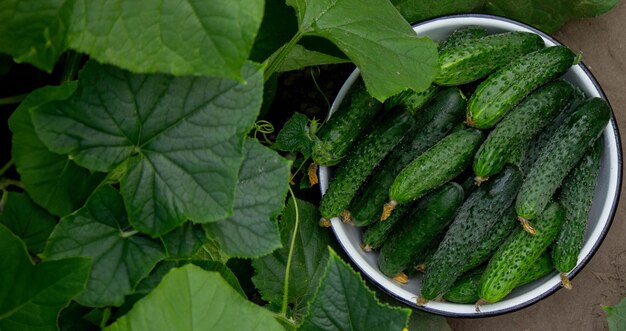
(526, 224)
(469, 121)
(387, 209)
(283, 310)
(421, 267)
(421, 301)
(312, 172)
(401, 278)
(346, 217)
(480, 179)
(480, 303)
(565, 281)
(324, 222)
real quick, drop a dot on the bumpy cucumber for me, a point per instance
(474, 60)
(355, 113)
(436, 166)
(363, 158)
(461, 36)
(436, 120)
(378, 232)
(576, 197)
(421, 262)
(410, 100)
(509, 264)
(520, 125)
(505, 88)
(559, 156)
(465, 289)
(533, 146)
(472, 224)
(432, 215)
(494, 239)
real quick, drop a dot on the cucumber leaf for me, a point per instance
(418, 10)
(616, 315)
(33, 295)
(184, 241)
(121, 258)
(27, 220)
(260, 195)
(190, 298)
(295, 136)
(52, 180)
(191, 37)
(343, 302)
(308, 263)
(300, 57)
(376, 38)
(175, 142)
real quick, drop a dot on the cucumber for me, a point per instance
(362, 160)
(576, 197)
(336, 136)
(421, 262)
(436, 120)
(509, 264)
(472, 224)
(461, 36)
(471, 61)
(465, 289)
(533, 147)
(520, 125)
(561, 153)
(436, 166)
(410, 100)
(431, 215)
(493, 240)
(378, 232)
(505, 88)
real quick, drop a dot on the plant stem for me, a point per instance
(277, 59)
(70, 69)
(283, 310)
(6, 182)
(12, 99)
(6, 167)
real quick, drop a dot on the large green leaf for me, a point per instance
(343, 302)
(176, 141)
(548, 15)
(27, 220)
(616, 316)
(34, 31)
(121, 258)
(192, 37)
(189, 298)
(308, 262)
(31, 296)
(263, 182)
(50, 179)
(301, 57)
(417, 10)
(184, 241)
(376, 38)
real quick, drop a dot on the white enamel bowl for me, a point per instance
(601, 215)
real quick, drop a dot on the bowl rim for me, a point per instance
(603, 232)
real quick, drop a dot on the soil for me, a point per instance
(602, 41)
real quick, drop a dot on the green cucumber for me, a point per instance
(576, 197)
(471, 61)
(436, 120)
(466, 288)
(354, 115)
(520, 125)
(378, 232)
(410, 100)
(421, 262)
(494, 239)
(462, 35)
(509, 264)
(472, 224)
(505, 88)
(533, 147)
(562, 152)
(436, 166)
(431, 215)
(363, 158)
